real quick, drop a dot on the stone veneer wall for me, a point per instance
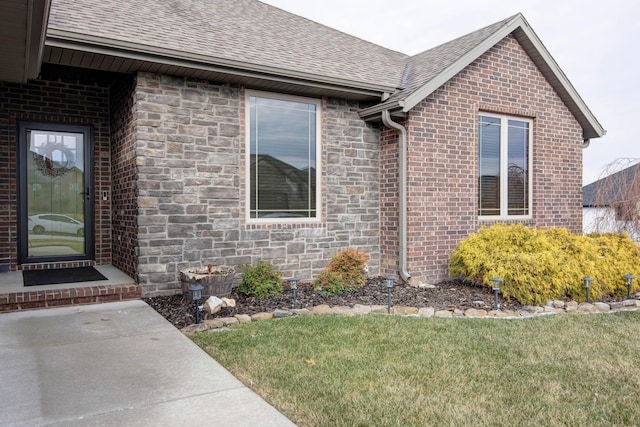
(68, 100)
(443, 156)
(190, 197)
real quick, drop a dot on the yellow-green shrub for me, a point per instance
(345, 271)
(538, 265)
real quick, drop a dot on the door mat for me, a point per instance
(61, 275)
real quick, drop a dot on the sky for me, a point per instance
(595, 43)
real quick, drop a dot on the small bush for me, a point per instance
(260, 281)
(345, 271)
(539, 265)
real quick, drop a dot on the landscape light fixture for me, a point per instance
(390, 280)
(293, 281)
(629, 278)
(196, 293)
(587, 285)
(496, 283)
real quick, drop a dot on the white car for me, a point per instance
(55, 224)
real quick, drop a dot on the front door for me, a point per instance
(55, 193)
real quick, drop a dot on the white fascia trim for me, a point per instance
(106, 46)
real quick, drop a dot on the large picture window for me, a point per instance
(504, 166)
(284, 161)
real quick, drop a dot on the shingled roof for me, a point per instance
(615, 188)
(258, 45)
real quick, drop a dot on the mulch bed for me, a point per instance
(447, 295)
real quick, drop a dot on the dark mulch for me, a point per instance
(450, 294)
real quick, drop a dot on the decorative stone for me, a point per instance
(426, 311)
(629, 303)
(243, 318)
(379, 309)
(321, 309)
(586, 307)
(616, 305)
(341, 310)
(532, 309)
(214, 323)
(443, 313)
(571, 307)
(601, 306)
(361, 309)
(228, 321)
(199, 327)
(559, 304)
(279, 313)
(228, 302)
(474, 312)
(301, 312)
(425, 286)
(213, 305)
(478, 304)
(403, 310)
(261, 316)
(552, 309)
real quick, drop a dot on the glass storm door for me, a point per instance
(55, 193)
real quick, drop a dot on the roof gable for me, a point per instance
(429, 70)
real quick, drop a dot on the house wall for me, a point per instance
(190, 160)
(65, 100)
(124, 231)
(443, 156)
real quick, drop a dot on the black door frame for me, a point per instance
(22, 152)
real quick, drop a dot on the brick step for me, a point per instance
(26, 300)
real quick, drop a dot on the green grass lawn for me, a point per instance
(379, 370)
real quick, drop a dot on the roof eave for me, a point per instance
(100, 45)
(539, 54)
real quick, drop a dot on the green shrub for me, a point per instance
(345, 271)
(260, 281)
(538, 265)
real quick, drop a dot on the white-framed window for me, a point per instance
(504, 166)
(283, 158)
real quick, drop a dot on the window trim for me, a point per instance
(247, 145)
(504, 167)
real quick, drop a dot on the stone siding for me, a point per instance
(190, 152)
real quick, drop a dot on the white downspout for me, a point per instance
(402, 194)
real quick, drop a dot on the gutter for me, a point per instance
(402, 193)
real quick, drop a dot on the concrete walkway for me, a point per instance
(116, 363)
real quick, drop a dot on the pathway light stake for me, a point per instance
(390, 280)
(497, 282)
(629, 278)
(587, 285)
(196, 294)
(293, 281)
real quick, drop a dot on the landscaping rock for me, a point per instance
(586, 307)
(301, 312)
(261, 316)
(379, 309)
(426, 312)
(228, 321)
(213, 305)
(214, 323)
(443, 313)
(321, 309)
(228, 302)
(199, 327)
(602, 307)
(571, 306)
(474, 312)
(559, 304)
(361, 309)
(243, 318)
(340, 310)
(279, 314)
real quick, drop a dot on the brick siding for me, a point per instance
(55, 99)
(443, 158)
